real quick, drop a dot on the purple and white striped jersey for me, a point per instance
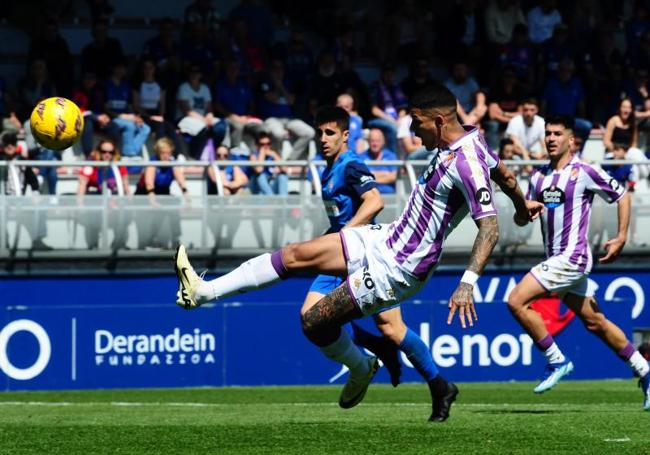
(568, 195)
(456, 181)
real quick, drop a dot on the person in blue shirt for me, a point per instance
(356, 122)
(267, 180)
(351, 199)
(386, 176)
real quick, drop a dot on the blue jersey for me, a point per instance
(343, 184)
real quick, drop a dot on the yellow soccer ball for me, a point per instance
(56, 123)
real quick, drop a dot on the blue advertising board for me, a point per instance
(77, 333)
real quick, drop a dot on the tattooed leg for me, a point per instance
(322, 323)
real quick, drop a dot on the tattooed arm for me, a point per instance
(462, 299)
(525, 210)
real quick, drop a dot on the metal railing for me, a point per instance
(232, 224)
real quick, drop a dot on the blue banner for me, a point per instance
(77, 333)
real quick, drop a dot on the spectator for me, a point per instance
(471, 100)
(275, 105)
(248, 52)
(622, 173)
(554, 50)
(16, 180)
(164, 50)
(117, 95)
(90, 99)
(300, 62)
(94, 181)
(35, 87)
(51, 47)
(520, 54)
(389, 103)
(10, 122)
(418, 77)
(233, 178)
(258, 18)
(198, 49)
(355, 139)
(102, 54)
(234, 101)
(464, 31)
(501, 16)
(202, 12)
(542, 20)
(35, 151)
(563, 95)
(622, 129)
(410, 145)
(526, 131)
(385, 176)
(504, 104)
(508, 151)
(326, 84)
(265, 179)
(150, 103)
(643, 116)
(157, 181)
(195, 111)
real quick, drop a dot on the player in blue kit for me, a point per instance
(352, 199)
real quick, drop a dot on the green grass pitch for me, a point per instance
(502, 418)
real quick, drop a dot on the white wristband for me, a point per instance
(469, 277)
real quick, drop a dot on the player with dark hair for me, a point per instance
(386, 264)
(567, 187)
(352, 199)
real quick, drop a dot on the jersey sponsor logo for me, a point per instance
(366, 179)
(483, 196)
(552, 197)
(614, 184)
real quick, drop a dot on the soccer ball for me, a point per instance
(56, 123)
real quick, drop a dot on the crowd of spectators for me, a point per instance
(215, 85)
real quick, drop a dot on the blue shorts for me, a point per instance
(324, 284)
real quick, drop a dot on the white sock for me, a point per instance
(253, 274)
(346, 352)
(639, 364)
(553, 354)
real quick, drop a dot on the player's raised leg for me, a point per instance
(320, 255)
(443, 393)
(322, 324)
(595, 321)
(522, 296)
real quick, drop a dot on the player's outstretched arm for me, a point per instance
(462, 299)
(525, 210)
(613, 247)
(371, 204)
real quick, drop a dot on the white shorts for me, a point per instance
(557, 274)
(375, 281)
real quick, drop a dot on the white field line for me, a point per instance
(319, 404)
(625, 439)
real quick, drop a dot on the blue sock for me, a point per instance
(419, 355)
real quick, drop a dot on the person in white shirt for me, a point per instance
(526, 130)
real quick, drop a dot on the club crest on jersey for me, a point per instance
(552, 197)
(483, 196)
(574, 174)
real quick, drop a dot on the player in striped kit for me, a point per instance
(567, 187)
(386, 264)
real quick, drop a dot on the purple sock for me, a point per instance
(278, 264)
(626, 352)
(545, 343)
